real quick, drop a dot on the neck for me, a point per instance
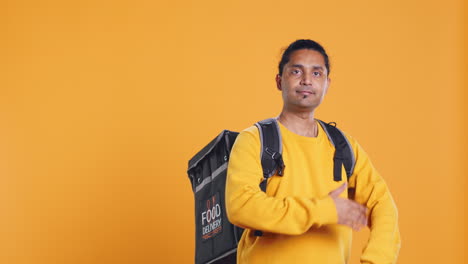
(301, 123)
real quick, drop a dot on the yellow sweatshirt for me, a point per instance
(296, 215)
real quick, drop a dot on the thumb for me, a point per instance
(335, 193)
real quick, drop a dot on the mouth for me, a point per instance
(305, 93)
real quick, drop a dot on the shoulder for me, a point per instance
(360, 155)
(357, 150)
(350, 139)
(248, 136)
(252, 130)
(333, 132)
(245, 149)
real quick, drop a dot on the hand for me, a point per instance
(349, 212)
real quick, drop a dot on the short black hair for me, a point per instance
(303, 44)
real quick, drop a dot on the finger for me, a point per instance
(358, 224)
(360, 207)
(361, 211)
(357, 217)
(349, 223)
(362, 220)
(364, 211)
(366, 220)
(335, 193)
(352, 219)
(357, 227)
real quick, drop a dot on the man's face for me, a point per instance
(304, 81)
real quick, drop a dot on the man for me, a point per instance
(305, 216)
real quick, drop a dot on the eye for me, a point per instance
(296, 72)
(317, 73)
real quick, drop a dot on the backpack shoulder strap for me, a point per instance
(344, 154)
(271, 149)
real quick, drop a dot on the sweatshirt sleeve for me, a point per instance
(371, 190)
(248, 206)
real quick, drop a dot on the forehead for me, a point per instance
(306, 57)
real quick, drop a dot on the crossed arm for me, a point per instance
(373, 206)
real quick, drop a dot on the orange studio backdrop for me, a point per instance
(102, 103)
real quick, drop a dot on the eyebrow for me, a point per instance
(315, 67)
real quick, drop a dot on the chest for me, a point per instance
(308, 171)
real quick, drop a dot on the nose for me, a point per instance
(306, 79)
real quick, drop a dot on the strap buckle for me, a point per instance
(278, 158)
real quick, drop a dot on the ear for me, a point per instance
(328, 85)
(278, 82)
